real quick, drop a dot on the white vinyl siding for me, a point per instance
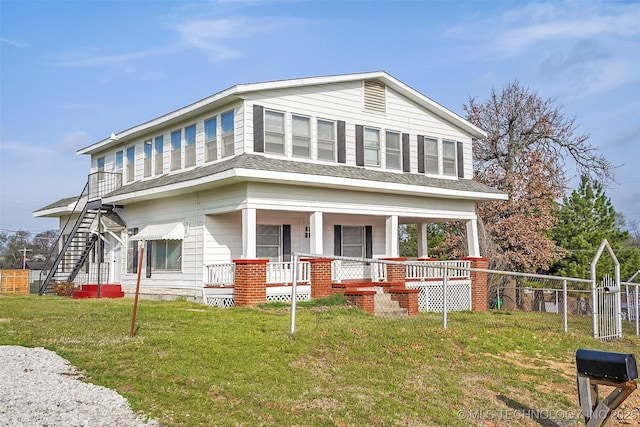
(274, 132)
(392, 146)
(326, 140)
(301, 136)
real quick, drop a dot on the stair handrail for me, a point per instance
(54, 266)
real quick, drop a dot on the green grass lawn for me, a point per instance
(193, 365)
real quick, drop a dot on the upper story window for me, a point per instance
(159, 146)
(190, 145)
(301, 138)
(274, 132)
(148, 156)
(119, 160)
(326, 140)
(431, 155)
(393, 158)
(176, 149)
(228, 143)
(449, 158)
(131, 163)
(371, 147)
(211, 139)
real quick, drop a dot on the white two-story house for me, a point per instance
(322, 165)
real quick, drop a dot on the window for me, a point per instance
(353, 241)
(268, 238)
(393, 150)
(190, 145)
(119, 160)
(131, 163)
(228, 147)
(211, 139)
(273, 132)
(449, 158)
(301, 138)
(159, 145)
(148, 155)
(326, 140)
(371, 147)
(166, 255)
(431, 155)
(132, 251)
(176, 149)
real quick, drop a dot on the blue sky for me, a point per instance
(73, 72)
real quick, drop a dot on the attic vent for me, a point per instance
(374, 96)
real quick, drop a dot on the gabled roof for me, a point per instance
(236, 92)
(251, 167)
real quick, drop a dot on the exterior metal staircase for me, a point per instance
(73, 248)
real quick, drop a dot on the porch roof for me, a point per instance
(247, 167)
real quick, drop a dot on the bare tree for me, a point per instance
(529, 140)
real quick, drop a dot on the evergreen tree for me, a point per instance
(585, 218)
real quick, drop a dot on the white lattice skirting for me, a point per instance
(430, 296)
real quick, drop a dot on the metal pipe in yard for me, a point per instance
(135, 301)
(564, 305)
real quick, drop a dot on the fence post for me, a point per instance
(564, 305)
(444, 298)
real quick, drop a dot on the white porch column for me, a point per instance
(391, 237)
(249, 233)
(472, 238)
(315, 228)
(423, 245)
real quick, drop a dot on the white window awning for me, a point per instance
(171, 231)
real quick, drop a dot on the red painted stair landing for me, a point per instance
(91, 291)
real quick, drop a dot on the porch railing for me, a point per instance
(220, 274)
(277, 272)
(421, 270)
(281, 272)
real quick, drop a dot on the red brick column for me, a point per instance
(251, 281)
(479, 286)
(320, 276)
(396, 273)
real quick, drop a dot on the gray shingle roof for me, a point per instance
(259, 162)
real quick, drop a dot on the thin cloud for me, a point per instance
(13, 42)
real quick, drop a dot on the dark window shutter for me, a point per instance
(359, 145)
(342, 142)
(337, 240)
(420, 154)
(406, 150)
(368, 241)
(148, 253)
(286, 242)
(460, 153)
(258, 128)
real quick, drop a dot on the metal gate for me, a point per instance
(607, 318)
(609, 315)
